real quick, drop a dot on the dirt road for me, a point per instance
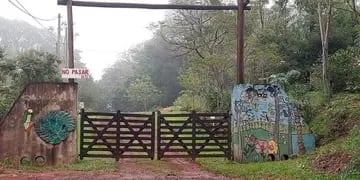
(129, 169)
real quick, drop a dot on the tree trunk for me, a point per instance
(300, 139)
(324, 24)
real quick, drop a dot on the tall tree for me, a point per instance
(325, 9)
(143, 92)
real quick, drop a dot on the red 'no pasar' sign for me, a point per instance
(75, 73)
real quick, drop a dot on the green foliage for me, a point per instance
(33, 66)
(143, 92)
(16, 72)
(338, 117)
(345, 70)
(187, 102)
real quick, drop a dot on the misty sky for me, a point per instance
(103, 33)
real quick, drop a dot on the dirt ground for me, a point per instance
(129, 169)
(331, 164)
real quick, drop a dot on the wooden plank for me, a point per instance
(213, 121)
(211, 155)
(99, 144)
(114, 132)
(136, 120)
(196, 144)
(134, 156)
(99, 114)
(95, 137)
(129, 115)
(176, 144)
(187, 115)
(212, 128)
(197, 138)
(149, 138)
(99, 132)
(113, 125)
(164, 132)
(99, 125)
(135, 150)
(175, 156)
(176, 150)
(146, 126)
(173, 122)
(225, 115)
(94, 149)
(99, 155)
(186, 133)
(138, 133)
(214, 150)
(113, 145)
(99, 120)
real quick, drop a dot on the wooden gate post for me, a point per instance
(118, 130)
(230, 154)
(193, 121)
(158, 135)
(81, 141)
(153, 135)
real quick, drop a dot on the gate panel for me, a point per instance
(213, 135)
(117, 135)
(175, 135)
(194, 135)
(137, 136)
(98, 135)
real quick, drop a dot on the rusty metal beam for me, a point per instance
(149, 6)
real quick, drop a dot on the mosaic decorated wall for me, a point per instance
(265, 125)
(40, 127)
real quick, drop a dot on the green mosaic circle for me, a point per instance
(55, 127)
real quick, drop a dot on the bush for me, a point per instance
(338, 117)
(345, 70)
(189, 103)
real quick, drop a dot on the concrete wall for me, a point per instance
(19, 142)
(264, 122)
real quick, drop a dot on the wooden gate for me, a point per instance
(194, 135)
(117, 135)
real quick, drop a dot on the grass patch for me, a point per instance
(97, 165)
(292, 169)
(103, 165)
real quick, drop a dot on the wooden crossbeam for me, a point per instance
(176, 135)
(135, 136)
(100, 136)
(150, 6)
